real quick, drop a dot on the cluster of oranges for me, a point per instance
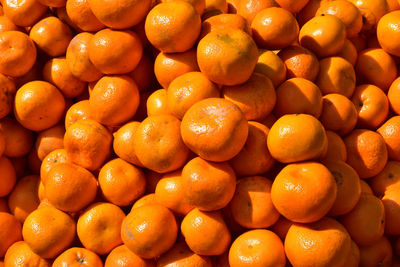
(274, 141)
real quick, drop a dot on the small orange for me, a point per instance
(49, 140)
(180, 256)
(8, 176)
(349, 52)
(53, 158)
(394, 96)
(123, 142)
(387, 35)
(336, 148)
(248, 9)
(10, 231)
(23, 13)
(20, 254)
(82, 16)
(222, 21)
(78, 111)
(77, 257)
(121, 256)
(157, 103)
(379, 253)
(198, 222)
(391, 202)
(390, 131)
(272, 66)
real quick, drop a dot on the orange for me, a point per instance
(208, 185)
(38, 105)
(170, 193)
(123, 142)
(222, 21)
(281, 227)
(336, 148)
(194, 226)
(304, 192)
(20, 254)
(121, 14)
(388, 36)
(274, 28)
(88, 144)
(69, 187)
(227, 56)
(6, 95)
(17, 53)
(248, 9)
(324, 35)
(199, 5)
(167, 26)
(53, 3)
(180, 255)
(121, 256)
(10, 231)
(149, 199)
(394, 96)
(158, 144)
(293, 6)
(388, 177)
(309, 11)
(56, 71)
(8, 175)
(391, 202)
(188, 89)
(353, 259)
(7, 25)
(272, 66)
(49, 140)
(348, 52)
(145, 233)
(220, 5)
(51, 35)
(99, 227)
(168, 66)
(143, 74)
(78, 111)
(372, 11)
(338, 114)
(348, 187)
(23, 13)
(215, 129)
(254, 158)
(55, 157)
(77, 257)
(336, 75)
(300, 62)
(78, 58)
(24, 197)
(157, 103)
(366, 152)
(390, 131)
(81, 15)
(121, 183)
(365, 188)
(376, 67)
(323, 243)
(256, 97)
(303, 95)
(393, 5)
(251, 206)
(379, 253)
(372, 106)
(296, 137)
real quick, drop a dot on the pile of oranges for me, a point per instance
(273, 141)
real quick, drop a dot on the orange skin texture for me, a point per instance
(17, 53)
(254, 158)
(55, 157)
(296, 137)
(56, 72)
(115, 99)
(51, 35)
(223, 21)
(372, 106)
(378, 254)
(115, 52)
(121, 183)
(227, 56)
(394, 96)
(167, 66)
(69, 187)
(79, 111)
(6, 95)
(92, 223)
(304, 192)
(256, 97)
(20, 254)
(157, 103)
(24, 197)
(38, 105)
(7, 25)
(366, 221)
(158, 144)
(388, 177)
(121, 14)
(81, 15)
(336, 75)
(180, 255)
(387, 33)
(152, 238)
(10, 232)
(198, 222)
(121, 256)
(149, 199)
(167, 23)
(346, 11)
(349, 188)
(78, 58)
(338, 114)
(390, 131)
(49, 140)
(329, 41)
(143, 74)
(170, 192)
(281, 227)
(323, 243)
(300, 62)
(48, 231)
(391, 202)
(303, 95)
(123, 142)
(208, 185)
(274, 28)
(376, 67)
(257, 248)
(9, 177)
(349, 52)
(76, 257)
(336, 148)
(88, 144)
(293, 6)
(23, 13)
(199, 5)
(188, 89)
(251, 205)
(271, 66)
(215, 129)
(248, 9)
(372, 11)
